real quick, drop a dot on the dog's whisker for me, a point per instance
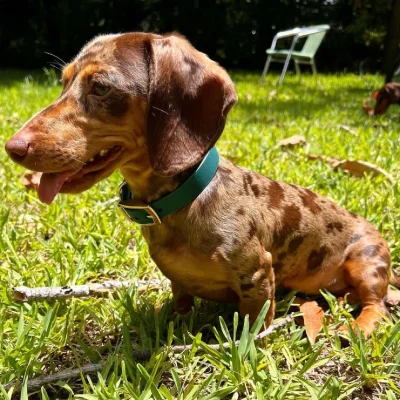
(60, 59)
(77, 169)
(75, 159)
(159, 109)
(55, 66)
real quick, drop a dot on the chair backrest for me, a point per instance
(315, 35)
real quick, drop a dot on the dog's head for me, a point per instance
(131, 99)
(389, 94)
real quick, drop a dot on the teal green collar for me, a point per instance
(152, 214)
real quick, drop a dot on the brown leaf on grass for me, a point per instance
(31, 180)
(293, 141)
(355, 168)
(313, 316)
(393, 298)
(359, 168)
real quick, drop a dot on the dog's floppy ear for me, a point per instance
(188, 102)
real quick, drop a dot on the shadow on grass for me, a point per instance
(301, 106)
(297, 101)
(203, 318)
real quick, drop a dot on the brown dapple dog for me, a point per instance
(388, 95)
(153, 106)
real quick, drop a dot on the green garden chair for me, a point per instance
(314, 35)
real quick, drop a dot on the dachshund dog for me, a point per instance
(153, 106)
(389, 94)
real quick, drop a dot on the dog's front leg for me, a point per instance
(184, 302)
(256, 287)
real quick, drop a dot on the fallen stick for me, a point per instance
(227, 345)
(36, 383)
(138, 355)
(24, 293)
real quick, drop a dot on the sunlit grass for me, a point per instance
(83, 238)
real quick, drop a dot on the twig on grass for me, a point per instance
(24, 293)
(43, 380)
(227, 345)
(138, 355)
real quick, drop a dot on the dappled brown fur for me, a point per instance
(245, 234)
(389, 94)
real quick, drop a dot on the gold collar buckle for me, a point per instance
(134, 204)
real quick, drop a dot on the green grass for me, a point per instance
(81, 239)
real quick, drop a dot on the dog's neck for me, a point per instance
(146, 184)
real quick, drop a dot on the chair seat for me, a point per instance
(313, 36)
(284, 54)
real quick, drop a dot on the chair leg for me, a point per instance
(314, 69)
(285, 67)
(266, 67)
(298, 72)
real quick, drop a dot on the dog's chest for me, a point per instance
(194, 271)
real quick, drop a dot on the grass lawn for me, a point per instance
(84, 238)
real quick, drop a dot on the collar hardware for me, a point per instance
(134, 204)
(153, 213)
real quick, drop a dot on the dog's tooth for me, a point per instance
(91, 160)
(103, 153)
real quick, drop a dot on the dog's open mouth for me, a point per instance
(52, 183)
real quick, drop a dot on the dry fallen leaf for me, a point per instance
(356, 168)
(313, 316)
(393, 298)
(31, 180)
(293, 141)
(248, 96)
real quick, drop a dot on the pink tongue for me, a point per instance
(50, 185)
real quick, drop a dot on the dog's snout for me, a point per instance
(17, 147)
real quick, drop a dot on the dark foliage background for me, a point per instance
(234, 32)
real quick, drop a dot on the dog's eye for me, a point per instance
(99, 89)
